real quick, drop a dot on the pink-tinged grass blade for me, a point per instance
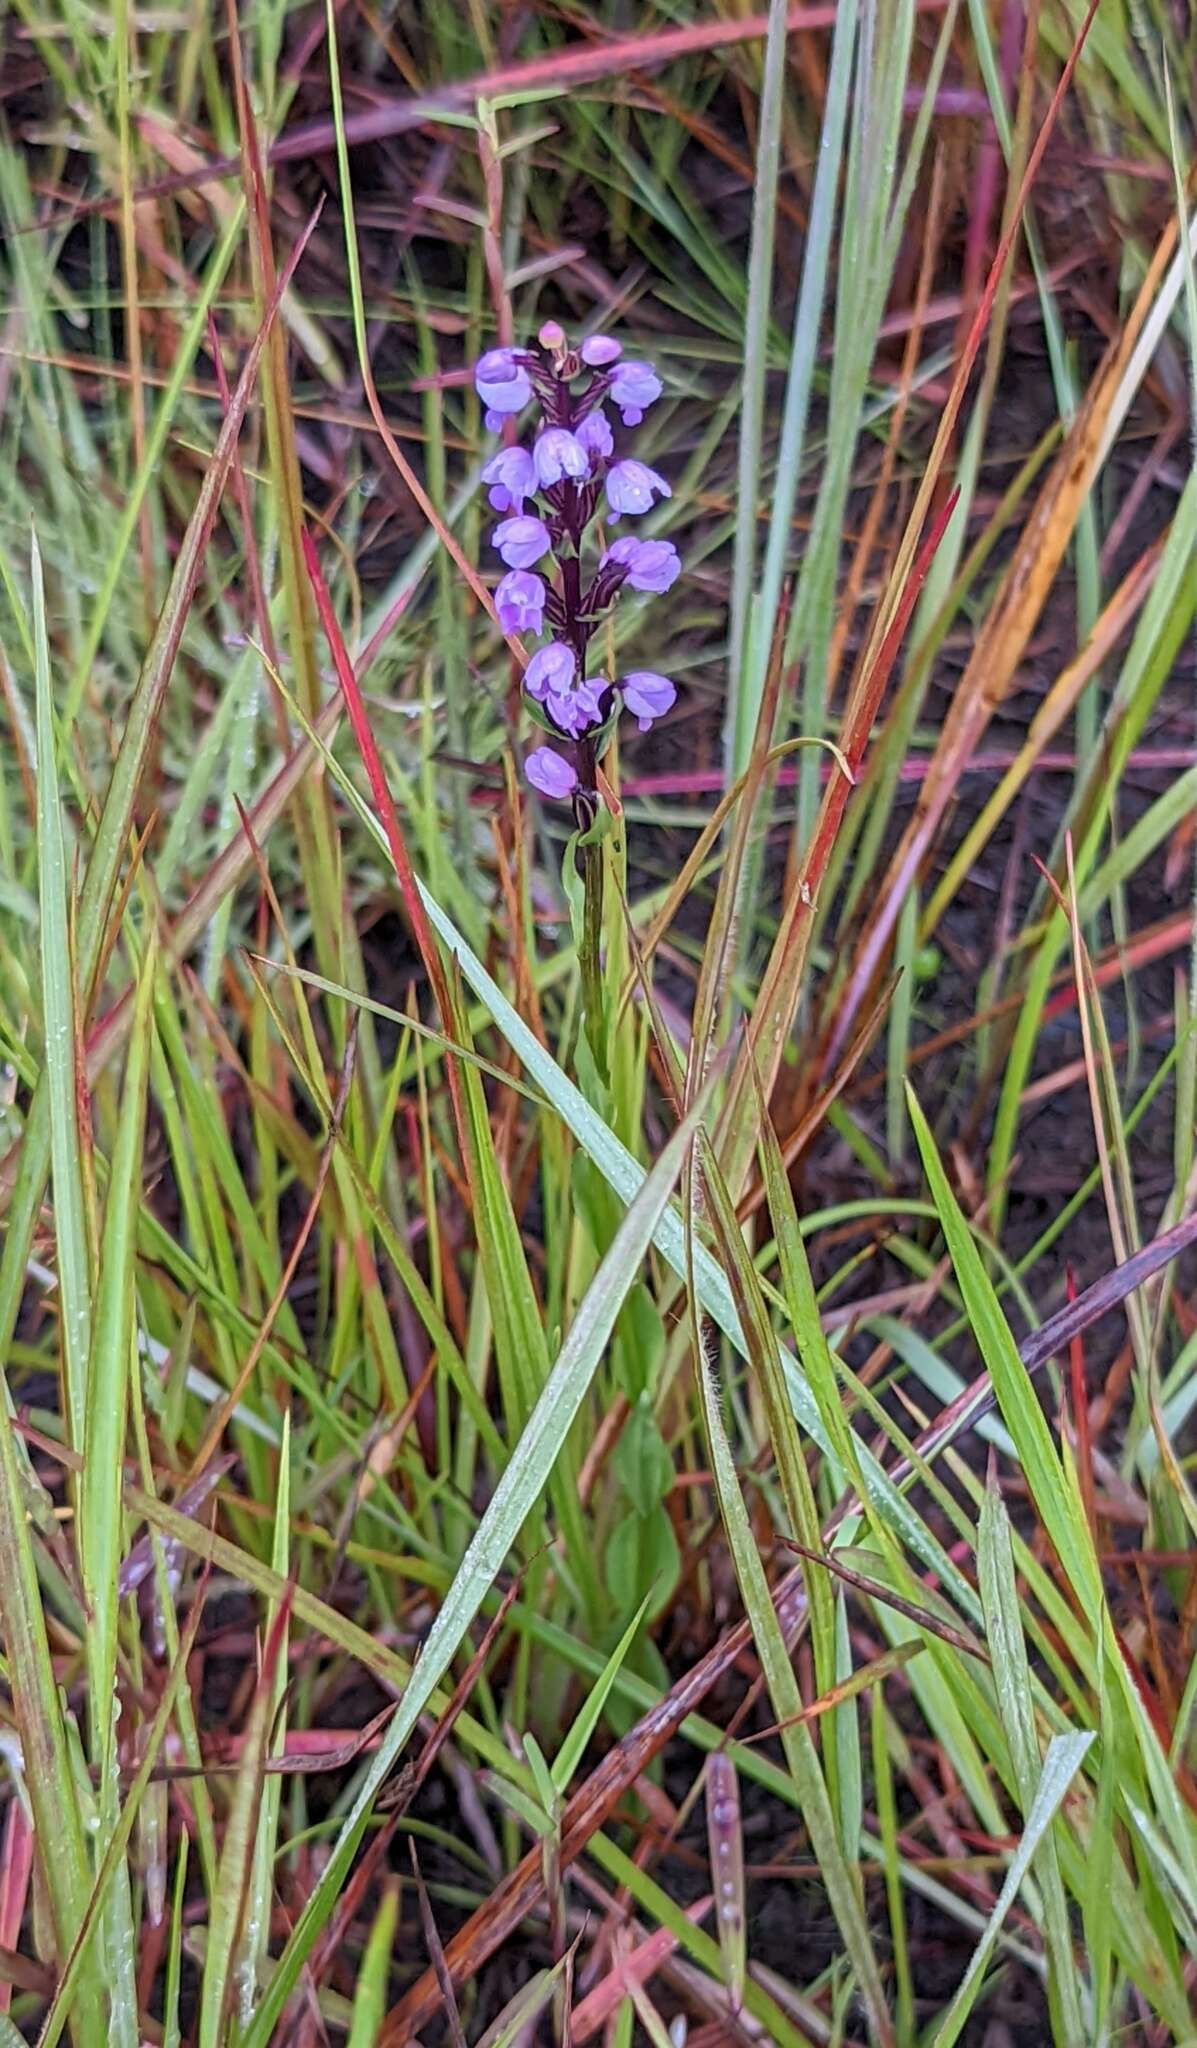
(725, 1844)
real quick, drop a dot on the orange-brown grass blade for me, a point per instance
(922, 1617)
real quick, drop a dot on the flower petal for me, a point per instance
(521, 542)
(550, 773)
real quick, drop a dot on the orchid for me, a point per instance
(519, 602)
(551, 668)
(556, 454)
(651, 565)
(631, 487)
(634, 387)
(550, 773)
(521, 542)
(551, 484)
(502, 382)
(511, 475)
(648, 696)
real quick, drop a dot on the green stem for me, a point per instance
(592, 976)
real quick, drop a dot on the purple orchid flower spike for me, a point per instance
(647, 696)
(522, 542)
(632, 486)
(552, 492)
(551, 774)
(551, 489)
(519, 602)
(651, 565)
(634, 387)
(511, 475)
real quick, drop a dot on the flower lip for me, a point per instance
(633, 388)
(631, 487)
(521, 542)
(650, 565)
(519, 601)
(557, 454)
(551, 671)
(512, 477)
(550, 773)
(598, 350)
(647, 695)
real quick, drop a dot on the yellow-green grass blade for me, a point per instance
(118, 1841)
(61, 1038)
(370, 1991)
(227, 1909)
(116, 819)
(113, 1340)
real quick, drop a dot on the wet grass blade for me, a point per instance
(1012, 1683)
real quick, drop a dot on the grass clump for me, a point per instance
(599, 1369)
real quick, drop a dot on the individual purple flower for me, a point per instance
(521, 542)
(502, 383)
(556, 454)
(576, 710)
(594, 432)
(551, 670)
(600, 349)
(651, 565)
(631, 487)
(512, 477)
(647, 695)
(634, 387)
(550, 773)
(519, 602)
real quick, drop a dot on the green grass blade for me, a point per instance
(60, 1024)
(1055, 1496)
(370, 1992)
(1012, 1683)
